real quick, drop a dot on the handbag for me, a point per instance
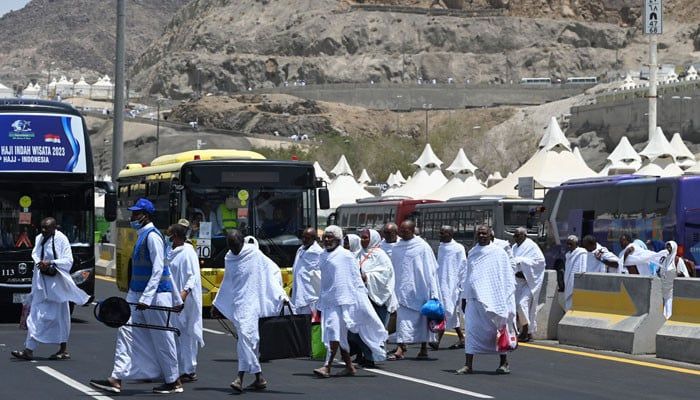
(506, 339)
(285, 336)
(437, 326)
(318, 348)
(433, 309)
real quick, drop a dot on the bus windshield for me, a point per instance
(70, 205)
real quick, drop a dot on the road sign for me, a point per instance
(653, 17)
(526, 187)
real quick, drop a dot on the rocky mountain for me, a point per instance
(221, 46)
(77, 35)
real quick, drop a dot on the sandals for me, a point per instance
(458, 345)
(237, 385)
(322, 372)
(25, 354)
(257, 385)
(60, 356)
(503, 369)
(464, 371)
(395, 357)
(347, 372)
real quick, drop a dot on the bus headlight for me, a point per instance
(79, 277)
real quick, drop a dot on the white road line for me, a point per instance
(428, 383)
(74, 384)
(213, 331)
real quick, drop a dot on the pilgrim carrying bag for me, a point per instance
(285, 336)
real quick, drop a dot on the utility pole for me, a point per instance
(653, 26)
(426, 107)
(118, 132)
(157, 126)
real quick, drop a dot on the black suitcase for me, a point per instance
(285, 336)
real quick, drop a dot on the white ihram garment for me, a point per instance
(452, 267)
(184, 267)
(530, 261)
(387, 247)
(250, 290)
(641, 258)
(415, 269)
(575, 264)
(598, 266)
(306, 283)
(345, 306)
(670, 269)
(379, 273)
(489, 288)
(148, 353)
(49, 315)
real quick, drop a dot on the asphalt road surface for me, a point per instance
(542, 370)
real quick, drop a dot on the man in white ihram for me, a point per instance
(529, 274)
(452, 267)
(345, 306)
(251, 289)
(415, 269)
(52, 290)
(184, 265)
(576, 263)
(306, 283)
(146, 354)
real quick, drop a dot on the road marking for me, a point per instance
(74, 384)
(606, 357)
(428, 383)
(105, 278)
(213, 331)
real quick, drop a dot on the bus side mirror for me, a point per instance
(110, 206)
(324, 201)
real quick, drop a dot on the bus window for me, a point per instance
(352, 220)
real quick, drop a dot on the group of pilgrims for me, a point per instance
(355, 282)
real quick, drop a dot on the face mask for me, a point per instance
(136, 224)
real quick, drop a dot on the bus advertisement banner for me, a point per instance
(42, 143)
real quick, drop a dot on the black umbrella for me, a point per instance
(115, 312)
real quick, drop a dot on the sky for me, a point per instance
(7, 5)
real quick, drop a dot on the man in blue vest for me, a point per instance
(146, 354)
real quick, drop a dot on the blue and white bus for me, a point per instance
(652, 209)
(46, 170)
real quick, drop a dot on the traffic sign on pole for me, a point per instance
(653, 17)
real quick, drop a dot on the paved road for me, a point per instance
(544, 371)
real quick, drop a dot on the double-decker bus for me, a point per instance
(374, 212)
(652, 209)
(216, 190)
(465, 214)
(46, 171)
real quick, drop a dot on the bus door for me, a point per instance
(692, 235)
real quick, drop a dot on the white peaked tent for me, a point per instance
(5, 91)
(364, 178)
(691, 74)
(494, 178)
(320, 173)
(577, 153)
(344, 189)
(399, 177)
(30, 92)
(426, 180)
(659, 157)
(684, 157)
(672, 77)
(628, 83)
(463, 182)
(102, 89)
(623, 159)
(64, 87)
(553, 163)
(82, 88)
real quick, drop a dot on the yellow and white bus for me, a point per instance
(216, 190)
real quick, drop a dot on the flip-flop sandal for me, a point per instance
(237, 385)
(395, 357)
(59, 356)
(456, 346)
(22, 355)
(257, 386)
(322, 372)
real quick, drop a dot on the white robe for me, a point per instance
(489, 288)
(249, 291)
(306, 283)
(49, 315)
(598, 266)
(530, 261)
(147, 353)
(415, 269)
(345, 306)
(670, 269)
(575, 264)
(379, 273)
(646, 261)
(387, 247)
(184, 267)
(452, 267)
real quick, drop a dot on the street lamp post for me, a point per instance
(157, 125)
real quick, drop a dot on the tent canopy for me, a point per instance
(342, 167)
(458, 187)
(364, 177)
(461, 164)
(428, 159)
(344, 189)
(554, 137)
(320, 173)
(658, 146)
(684, 156)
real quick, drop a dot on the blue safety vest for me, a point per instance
(142, 268)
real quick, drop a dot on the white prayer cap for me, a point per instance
(572, 238)
(334, 230)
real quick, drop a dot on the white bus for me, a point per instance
(582, 80)
(536, 81)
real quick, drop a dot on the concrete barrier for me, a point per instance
(105, 259)
(614, 312)
(679, 338)
(549, 312)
